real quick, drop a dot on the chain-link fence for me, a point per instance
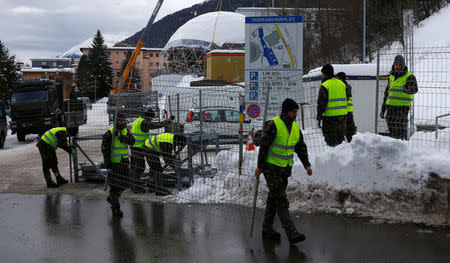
(420, 114)
(209, 156)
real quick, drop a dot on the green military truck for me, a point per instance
(38, 105)
(3, 124)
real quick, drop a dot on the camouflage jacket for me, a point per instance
(268, 135)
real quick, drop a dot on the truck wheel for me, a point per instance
(21, 136)
(2, 140)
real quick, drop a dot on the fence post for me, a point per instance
(377, 91)
(255, 193)
(178, 108)
(241, 130)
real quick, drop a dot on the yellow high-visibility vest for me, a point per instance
(154, 141)
(139, 136)
(396, 96)
(337, 98)
(50, 137)
(119, 150)
(281, 151)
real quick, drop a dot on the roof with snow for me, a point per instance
(203, 31)
(60, 70)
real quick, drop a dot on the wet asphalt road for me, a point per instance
(64, 228)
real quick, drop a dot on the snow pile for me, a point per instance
(211, 28)
(372, 176)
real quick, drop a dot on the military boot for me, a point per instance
(269, 216)
(60, 180)
(48, 180)
(289, 227)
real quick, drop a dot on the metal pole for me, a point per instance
(70, 154)
(255, 193)
(201, 133)
(241, 131)
(273, 3)
(178, 108)
(95, 89)
(364, 32)
(377, 90)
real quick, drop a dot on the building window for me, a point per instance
(117, 52)
(43, 77)
(117, 62)
(157, 64)
(55, 64)
(151, 55)
(43, 63)
(157, 55)
(109, 53)
(151, 64)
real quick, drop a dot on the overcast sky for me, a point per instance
(45, 28)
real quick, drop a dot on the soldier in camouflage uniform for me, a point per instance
(332, 107)
(50, 141)
(398, 96)
(281, 137)
(115, 155)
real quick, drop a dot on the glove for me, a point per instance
(172, 118)
(382, 115)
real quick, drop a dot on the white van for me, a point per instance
(221, 120)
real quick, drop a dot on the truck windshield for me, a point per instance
(29, 97)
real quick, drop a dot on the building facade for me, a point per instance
(53, 69)
(148, 61)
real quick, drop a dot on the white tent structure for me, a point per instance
(187, 47)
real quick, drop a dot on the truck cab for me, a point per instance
(3, 125)
(39, 105)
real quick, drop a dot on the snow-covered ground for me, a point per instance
(372, 176)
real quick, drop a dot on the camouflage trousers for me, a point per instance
(351, 127)
(277, 184)
(397, 121)
(48, 155)
(334, 130)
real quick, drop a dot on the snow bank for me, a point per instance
(372, 176)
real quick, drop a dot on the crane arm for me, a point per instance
(136, 51)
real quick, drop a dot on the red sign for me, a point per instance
(253, 111)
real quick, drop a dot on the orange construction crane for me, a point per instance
(136, 51)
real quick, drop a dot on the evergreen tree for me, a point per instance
(84, 78)
(100, 67)
(135, 74)
(8, 71)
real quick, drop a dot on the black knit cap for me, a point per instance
(288, 105)
(400, 59)
(342, 76)
(328, 70)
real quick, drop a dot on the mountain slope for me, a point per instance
(110, 41)
(161, 31)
